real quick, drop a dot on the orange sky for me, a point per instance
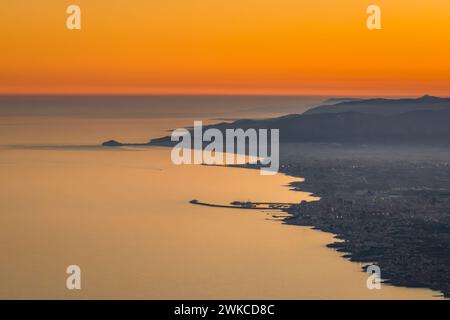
(233, 46)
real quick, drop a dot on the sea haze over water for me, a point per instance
(123, 215)
(155, 106)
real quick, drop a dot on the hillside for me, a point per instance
(425, 120)
(384, 106)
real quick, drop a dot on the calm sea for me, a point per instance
(123, 215)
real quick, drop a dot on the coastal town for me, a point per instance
(394, 214)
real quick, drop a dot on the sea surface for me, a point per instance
(123, 215)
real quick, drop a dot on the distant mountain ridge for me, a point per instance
(384, 106)
(425, 120)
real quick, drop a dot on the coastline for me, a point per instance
(383, 210)
(375, 226)
(375, 208)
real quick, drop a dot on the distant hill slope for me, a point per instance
(384, 106)
(414, 127)
(411, 121)
(339, 100)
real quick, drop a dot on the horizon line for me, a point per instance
(125, 94)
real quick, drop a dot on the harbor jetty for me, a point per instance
(247, 205)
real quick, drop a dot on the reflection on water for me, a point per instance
(125, 219)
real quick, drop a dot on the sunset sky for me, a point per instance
(319, 47)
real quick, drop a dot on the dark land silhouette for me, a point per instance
(422, 121)
(382, 106)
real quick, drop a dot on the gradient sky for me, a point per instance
(233, 46)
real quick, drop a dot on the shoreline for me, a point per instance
(295, 217)
(377, 222)
(398, 246)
